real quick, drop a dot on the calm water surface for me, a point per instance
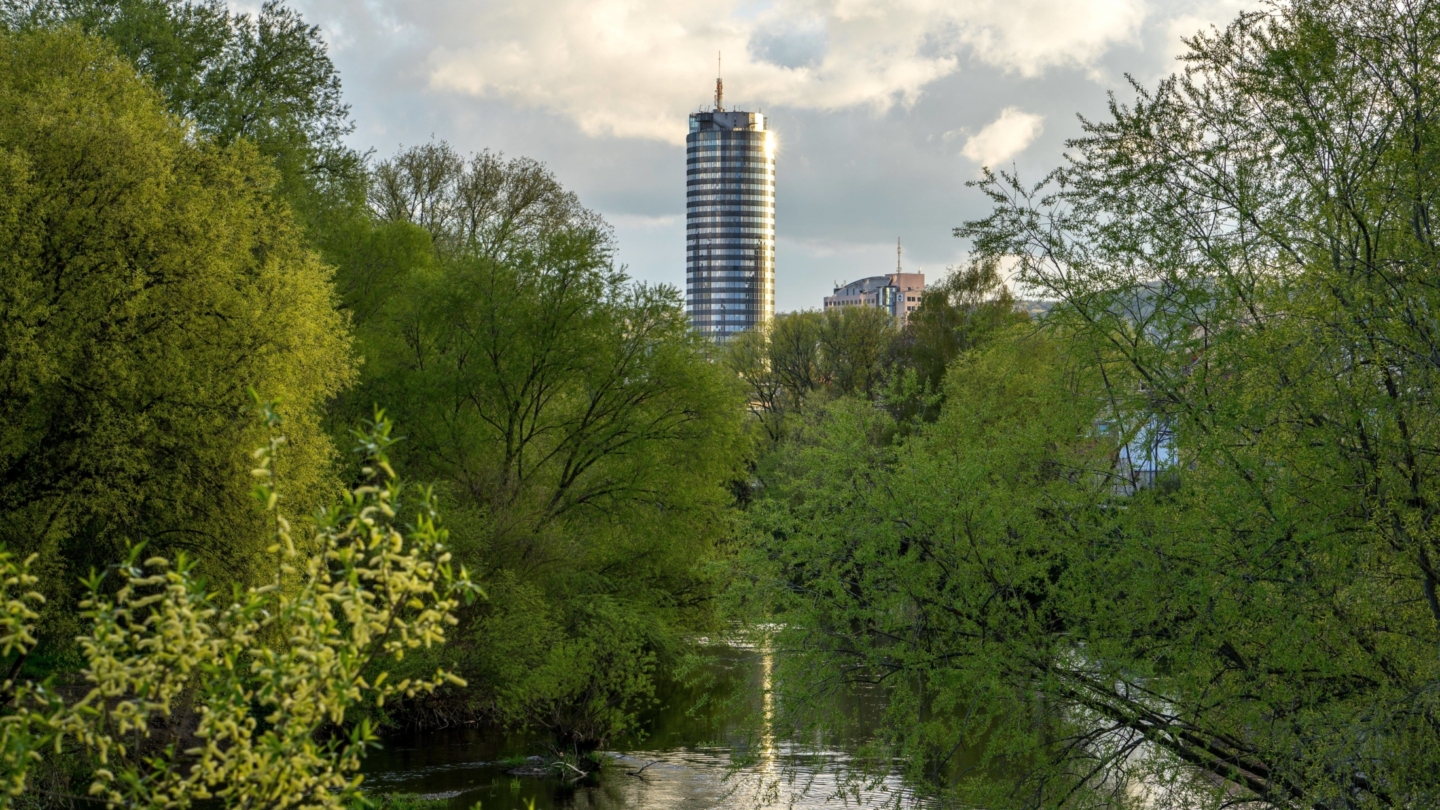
(700, 753)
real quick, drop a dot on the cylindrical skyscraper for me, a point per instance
(729, 221)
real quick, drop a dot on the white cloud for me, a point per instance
(643, 221)
(634, 68)
(1004, 138)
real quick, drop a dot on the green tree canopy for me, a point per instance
(971, 305)
(1180, 547)
(785, 361)
(264, 77)
(147, 277)
(571, 417)
(779, 363)
(481, 206)
(853, 342)
(860, 351)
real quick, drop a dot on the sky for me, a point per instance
(884, 109)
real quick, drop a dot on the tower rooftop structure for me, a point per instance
(729, 220)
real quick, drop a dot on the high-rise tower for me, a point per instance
(729, 220)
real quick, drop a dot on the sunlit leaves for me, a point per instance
(267, 669)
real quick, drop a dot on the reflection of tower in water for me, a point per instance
(730, 220)
(767, 710)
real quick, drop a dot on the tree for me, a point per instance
(146, 279)
(266, 78)
(780, 364)
(962, 312)
(1242, 260)
(853, 342)
(268, 667)
(784, 362)
(484, 207)
(795, 353)
(747, 355)
(579, 427)
(931, 565)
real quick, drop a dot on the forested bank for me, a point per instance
(1174, 546)
(196, 265)
(1169, 544)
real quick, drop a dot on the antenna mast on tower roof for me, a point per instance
(897, 254)
(719, 86)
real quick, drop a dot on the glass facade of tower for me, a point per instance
(730, 222)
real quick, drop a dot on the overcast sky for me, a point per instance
(883, 108)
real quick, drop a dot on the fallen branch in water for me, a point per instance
(572, 767)
(642, 770)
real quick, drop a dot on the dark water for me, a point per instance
(708, 746)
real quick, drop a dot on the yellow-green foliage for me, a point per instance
(571, 416)
(336, 617)
(146, 277)
(1181, 547)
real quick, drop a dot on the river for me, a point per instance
(710, 747)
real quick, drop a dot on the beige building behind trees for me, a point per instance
(897, 292)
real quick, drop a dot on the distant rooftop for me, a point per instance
(727, 120)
